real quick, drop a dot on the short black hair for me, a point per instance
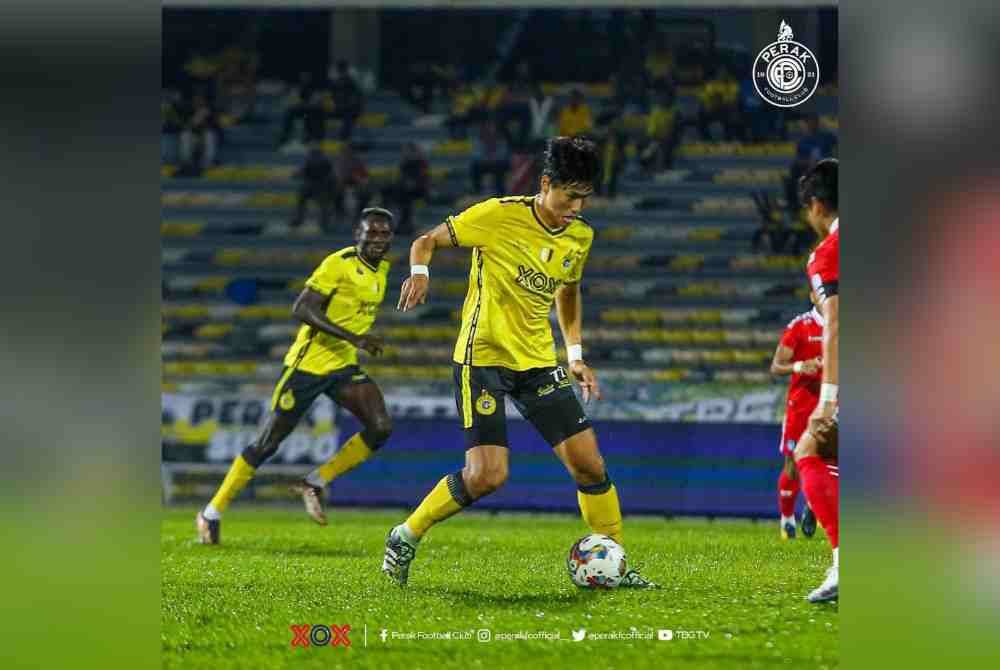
(368, 212)
(820, 182)
(570, 160)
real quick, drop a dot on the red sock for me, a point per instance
(788, 491)
(822, 490)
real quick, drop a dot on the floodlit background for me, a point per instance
(81, 346)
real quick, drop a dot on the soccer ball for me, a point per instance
(596, 562)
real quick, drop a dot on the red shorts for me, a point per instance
(795, 424)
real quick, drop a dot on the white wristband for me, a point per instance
(574, 352)
(420, 270)
(797, 367)
(828, 393)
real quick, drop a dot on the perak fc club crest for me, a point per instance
(785, 72)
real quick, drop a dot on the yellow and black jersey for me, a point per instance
(356, 289)
(517, 266)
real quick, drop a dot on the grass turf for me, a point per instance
(232, 605)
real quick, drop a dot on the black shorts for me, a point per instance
(544, 396)
(296, 390)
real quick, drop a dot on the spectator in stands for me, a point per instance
(236, 80)
(575, 118)
(348, 99)
(317, 184)
(428, 81)
(419, 87)
(662, 133)
(764, 122)
(719, 99)
(490, 155)
(613, 136)
(772, 230)
(414, 184)
(310, 103)
(201, 70)
(514, 109)
(467, 108)
(172, 123)
(351, 177)
(659, 65)
(813, 147)
(541, 105)
(200, 137)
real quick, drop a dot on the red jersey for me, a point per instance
(823, 267)
(804, 336)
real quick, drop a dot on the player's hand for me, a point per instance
(373, 344)
(821, 420)
(812, 366)
(413, 293)
(586, 379)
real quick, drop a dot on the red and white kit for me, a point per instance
(804, 336)
(824, 265)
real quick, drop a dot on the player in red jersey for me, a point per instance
(799, 354)
(820, 479)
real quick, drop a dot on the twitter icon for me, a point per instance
(578, 635)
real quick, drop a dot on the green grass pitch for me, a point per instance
(232, 605)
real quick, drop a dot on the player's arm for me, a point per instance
(310, 309)
(828, 391)
(830, 308)
(414, 291)
(783, 364)
(569, 311)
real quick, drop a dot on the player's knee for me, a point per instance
(806, 447)
(590, 474)
(486, 479)
(259, 452)
(378, 432)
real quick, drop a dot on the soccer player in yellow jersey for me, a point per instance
(527, 252)
(337, 308)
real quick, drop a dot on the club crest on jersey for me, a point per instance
(486, 404)
(287, 400)
(569, 261)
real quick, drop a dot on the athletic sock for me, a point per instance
(240, 473)
(600, 509)
(788, 491)
(351, 454)
(447, 498)
(822, 490)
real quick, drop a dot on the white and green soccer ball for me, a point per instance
(596, 562)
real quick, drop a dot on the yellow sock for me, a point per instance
(240, 473)
(351, 454)
(444, 500)
(602, 512)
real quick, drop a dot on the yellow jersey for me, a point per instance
(517, 265)
(356, 289)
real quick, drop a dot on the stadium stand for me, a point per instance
(673, 292)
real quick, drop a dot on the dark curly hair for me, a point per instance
(570, 160)
(820, 183)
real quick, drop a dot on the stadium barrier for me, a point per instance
(720, 469)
